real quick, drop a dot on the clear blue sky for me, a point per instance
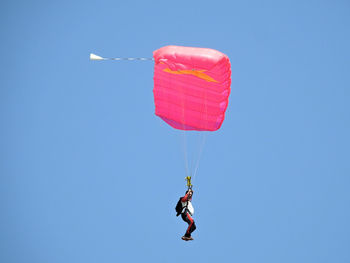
(88, 173)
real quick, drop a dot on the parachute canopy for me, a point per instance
(191, 87)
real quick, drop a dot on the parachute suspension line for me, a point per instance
(96, 57)
(184, 138)
(203, 135)
(188, 172)
(203, 139)
(191, 152)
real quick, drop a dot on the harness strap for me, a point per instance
(184, 208)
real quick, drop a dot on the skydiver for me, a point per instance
(187, 213)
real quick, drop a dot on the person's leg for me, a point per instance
(191, 226)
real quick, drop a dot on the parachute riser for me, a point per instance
(189, 184)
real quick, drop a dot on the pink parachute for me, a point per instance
(191, 87)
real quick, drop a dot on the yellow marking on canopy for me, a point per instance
(198, 73)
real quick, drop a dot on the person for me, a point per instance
(187, 213)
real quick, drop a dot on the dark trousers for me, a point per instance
(191, 225)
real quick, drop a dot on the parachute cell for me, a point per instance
(191, 87)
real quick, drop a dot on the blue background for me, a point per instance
(89, 173)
